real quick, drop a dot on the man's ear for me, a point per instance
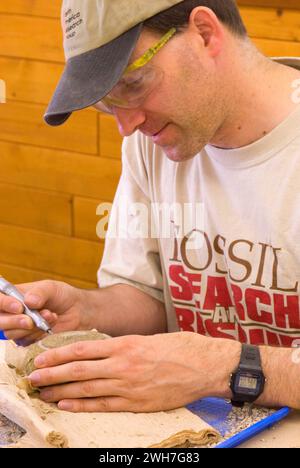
(204, 22)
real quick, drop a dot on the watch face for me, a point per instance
(248, 381)
(247, 384)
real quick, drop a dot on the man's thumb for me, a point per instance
(38, 296)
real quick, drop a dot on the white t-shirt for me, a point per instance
(227, 260)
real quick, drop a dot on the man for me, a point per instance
(208, 121)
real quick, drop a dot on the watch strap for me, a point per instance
(250, 361)
(250, 358)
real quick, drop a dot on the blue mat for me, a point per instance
(215, 412)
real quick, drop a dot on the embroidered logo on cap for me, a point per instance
(71, 22)
(91, 24)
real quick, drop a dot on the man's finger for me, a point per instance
(73, 372)
(80, 351)
(15, 329)
(95, 405)
(87, 389)
(10, 305)
(49, 316)
(12, 322)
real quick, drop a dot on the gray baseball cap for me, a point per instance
(99, 38)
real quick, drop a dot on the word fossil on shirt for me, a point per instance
(242, 260)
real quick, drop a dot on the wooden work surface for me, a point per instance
(286, 434)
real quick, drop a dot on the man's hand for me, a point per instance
(114, 310)
(135, 373)
(57, 302)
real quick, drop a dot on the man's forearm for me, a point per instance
(281, 367)
(122, 310)
(282, 370)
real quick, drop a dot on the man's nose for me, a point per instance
(129, 120)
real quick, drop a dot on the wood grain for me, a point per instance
(36, 250)
(47, 8)
(271, 3)
(269, 23)
(30, 81)
(110, 140)
(23, 123)
(41, 210)
(85, 218)
(71, 173)
(19, 275)
(31, 37)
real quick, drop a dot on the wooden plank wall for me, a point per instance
(52, 179)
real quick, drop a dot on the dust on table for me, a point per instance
(10, 432)
(240, 419)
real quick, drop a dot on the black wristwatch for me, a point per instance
(247, 383)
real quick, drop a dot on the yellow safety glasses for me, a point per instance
(137, 82)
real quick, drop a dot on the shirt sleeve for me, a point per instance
(131, 253)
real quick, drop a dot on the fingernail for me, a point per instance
(16, 308)
(65, 405)
(35, 378)
(34, 300)
(39, 361)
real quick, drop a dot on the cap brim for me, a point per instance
(89, 77)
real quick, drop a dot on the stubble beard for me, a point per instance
(191, 141)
